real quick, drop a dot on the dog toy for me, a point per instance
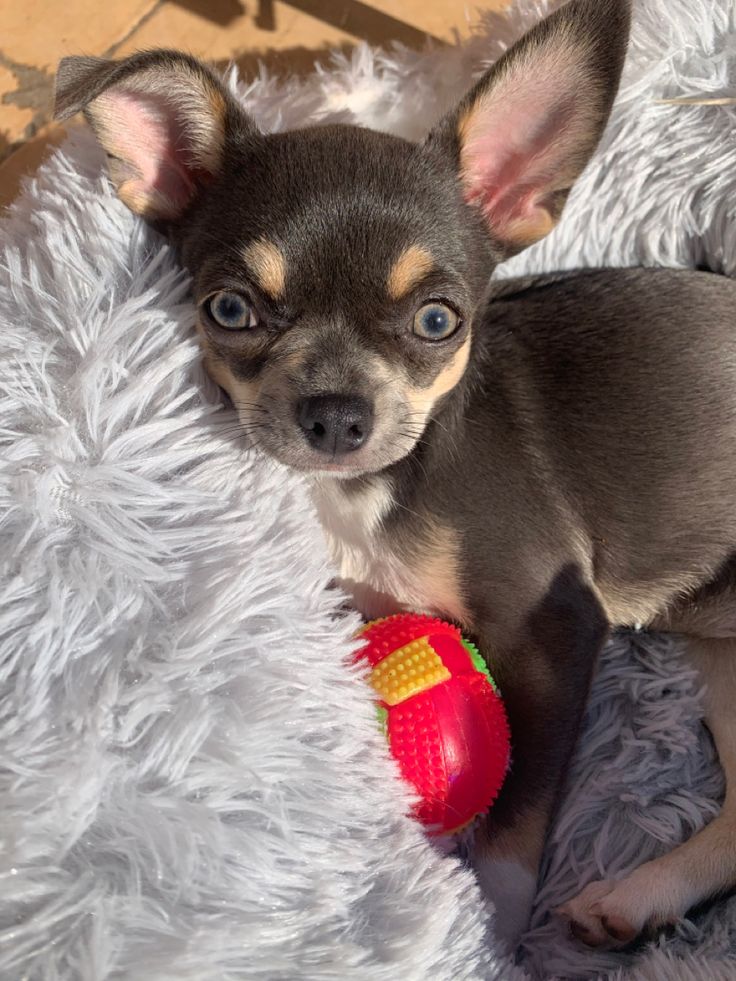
(442, 715)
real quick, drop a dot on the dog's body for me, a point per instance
(461, 442)
(576, 377)
(515, 469)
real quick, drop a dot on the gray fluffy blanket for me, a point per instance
(193, 786)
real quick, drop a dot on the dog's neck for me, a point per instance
(391, 550)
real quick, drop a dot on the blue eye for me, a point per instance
(435, 321)
(231, 311)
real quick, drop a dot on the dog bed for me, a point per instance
(193, 785)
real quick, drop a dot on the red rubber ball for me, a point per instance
(443, 717)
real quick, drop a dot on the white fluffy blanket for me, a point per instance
(193, 786)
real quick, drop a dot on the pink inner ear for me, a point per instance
(143, 131)
(518, 143)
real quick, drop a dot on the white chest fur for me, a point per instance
(379, 579)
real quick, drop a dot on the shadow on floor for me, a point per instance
(291, 61)
(352, 16)
(361, 20)
(220, 12)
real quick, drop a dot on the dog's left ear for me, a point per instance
(521, 137)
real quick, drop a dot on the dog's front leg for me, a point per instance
(544, 676)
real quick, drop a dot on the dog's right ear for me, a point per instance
(164, 119)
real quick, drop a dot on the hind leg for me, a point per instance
(659, 892)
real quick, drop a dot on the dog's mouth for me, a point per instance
(304, 460)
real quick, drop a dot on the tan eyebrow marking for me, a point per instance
(268, 264)
(412, 265)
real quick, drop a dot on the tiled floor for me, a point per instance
(286, 35)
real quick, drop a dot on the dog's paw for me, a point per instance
(605, 914)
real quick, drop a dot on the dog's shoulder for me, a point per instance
(610, 309)
(627, 282)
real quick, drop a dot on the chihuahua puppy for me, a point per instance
(538, 460)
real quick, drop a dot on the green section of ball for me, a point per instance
(382, 716)
(478, 663)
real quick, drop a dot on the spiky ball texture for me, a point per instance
(442, 715)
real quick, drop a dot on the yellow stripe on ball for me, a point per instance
(407, 671)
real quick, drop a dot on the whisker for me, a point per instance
(404, 507)
(241, 430)
(384, 384)
(248, 436)
(247, 403)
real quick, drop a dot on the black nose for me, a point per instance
(335, 423)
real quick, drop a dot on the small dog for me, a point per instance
(538, 461)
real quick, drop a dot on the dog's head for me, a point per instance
(337, 270)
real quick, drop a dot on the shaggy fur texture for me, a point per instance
(193, 782)
(193, 785)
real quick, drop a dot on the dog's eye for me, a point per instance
(435, 321)
(232, 311)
